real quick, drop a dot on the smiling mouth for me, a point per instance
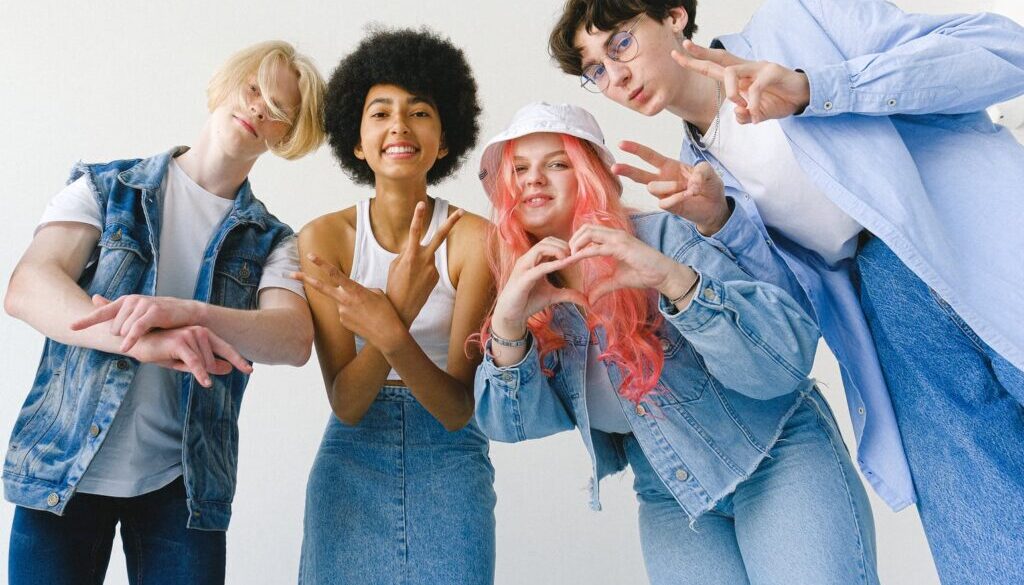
(245, 124)
(400, 150)
(535, 200)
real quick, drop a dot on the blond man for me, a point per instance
(157, 282)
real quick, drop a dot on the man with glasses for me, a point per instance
(863, 176)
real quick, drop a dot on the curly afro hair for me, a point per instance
(419, 61)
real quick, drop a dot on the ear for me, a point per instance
(678, 18)
(358, 151)
(443, 150)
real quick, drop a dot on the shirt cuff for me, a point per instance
(831, 93)
(510, 377)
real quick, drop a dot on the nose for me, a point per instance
(398, 126)
(534, 176)
(618, 73)
(258, 108)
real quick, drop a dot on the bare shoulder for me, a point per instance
(331, 236)
(466, 245)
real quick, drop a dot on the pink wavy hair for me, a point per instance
(627, 315)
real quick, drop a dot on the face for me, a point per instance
(400, 134)
(652, 80)
(548, 185)
(247, 128)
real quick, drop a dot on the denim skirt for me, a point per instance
(397, 499)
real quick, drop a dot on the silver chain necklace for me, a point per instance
(703, 145)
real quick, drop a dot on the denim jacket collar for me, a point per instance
(149, 174)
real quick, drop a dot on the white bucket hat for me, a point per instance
(543, 117)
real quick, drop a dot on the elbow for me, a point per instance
(348, 417)
(457, 422)
(14, 304)
(302, 350)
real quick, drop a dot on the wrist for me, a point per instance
(200, 313)
(677, 282)
(394, 344)
(716, 224)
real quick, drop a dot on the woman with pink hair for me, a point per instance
(668, 357)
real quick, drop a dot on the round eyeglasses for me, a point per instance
(621, 47)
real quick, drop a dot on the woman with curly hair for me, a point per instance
(402, 487)
(669, 358)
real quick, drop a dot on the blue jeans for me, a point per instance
(801, 517)
(398, 499)
(958, 406)
(74, 549)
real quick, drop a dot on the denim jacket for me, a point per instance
(77, 391)
(736, 365)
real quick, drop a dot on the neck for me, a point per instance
(698, 103)
(392, 209)
(212, 168)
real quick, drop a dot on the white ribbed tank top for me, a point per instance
(370, 263)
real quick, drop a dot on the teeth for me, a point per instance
(400, 149)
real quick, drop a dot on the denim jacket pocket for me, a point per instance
(236, 282)
(683, 378)
(122, 263)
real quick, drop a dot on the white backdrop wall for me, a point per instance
(99, 81)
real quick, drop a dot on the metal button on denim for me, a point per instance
(860, 411)
(122, 364)
(94, 430)
(892, 103)
(828, 105)
(507, 377)
(681, 475)
(665, 344)
(53, 499)
(117, 236)
(640, 410)
(710, 294)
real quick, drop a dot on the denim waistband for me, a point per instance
(395, 394)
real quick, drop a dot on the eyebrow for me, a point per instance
(411, 100)
(611, 33)
(548, 155)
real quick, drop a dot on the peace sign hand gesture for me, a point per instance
(365, 312)
(413, 274)
(761, 90)
(694, 193)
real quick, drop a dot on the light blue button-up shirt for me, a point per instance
(896, 136)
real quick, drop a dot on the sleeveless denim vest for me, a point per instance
(77, 391)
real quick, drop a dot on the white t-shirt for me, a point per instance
(603, 408)
(760, 158)
(142, 449)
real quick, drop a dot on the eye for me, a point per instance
(421, 114)
(520, 169)
(379, 114)
(558, 165)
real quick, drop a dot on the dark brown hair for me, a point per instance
(605, 15)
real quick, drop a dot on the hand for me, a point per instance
(132, 316)
(365, 312)
(761, 90)
(528, 290)
(413, 274)
(637, 265)
(694, 193)
(195, 350)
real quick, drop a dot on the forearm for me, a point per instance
(52, 311)
(915, 63)
(279, 335)
(517, 402)
(355, 387)
(449, 400)
(752, 336)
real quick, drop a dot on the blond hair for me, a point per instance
(230, 81)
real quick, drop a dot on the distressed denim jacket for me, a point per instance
(736, 365)
(77, 391)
